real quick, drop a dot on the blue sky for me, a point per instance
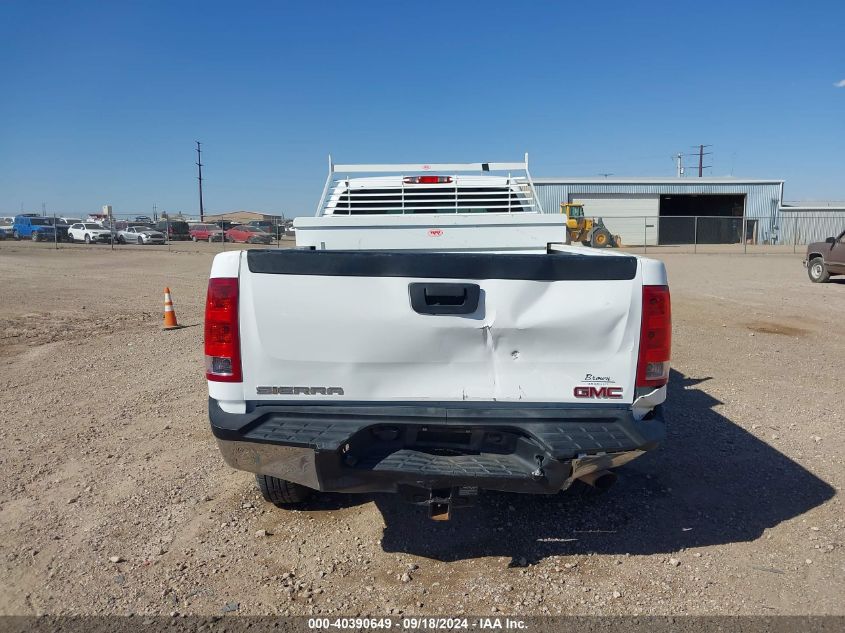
(102, 102)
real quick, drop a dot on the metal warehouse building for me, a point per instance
(662, 211)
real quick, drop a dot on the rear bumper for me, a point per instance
(357, 447)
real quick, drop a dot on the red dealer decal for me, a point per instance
(435, 232)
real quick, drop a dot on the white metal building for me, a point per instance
(661, 210)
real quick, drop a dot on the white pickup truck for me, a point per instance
(434, 365)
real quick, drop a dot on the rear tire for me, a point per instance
(817, 271)
(281, 492)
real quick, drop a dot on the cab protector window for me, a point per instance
(429, 200)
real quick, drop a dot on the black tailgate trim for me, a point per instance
(545, 267)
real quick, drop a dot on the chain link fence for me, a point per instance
(788, 232)
(172, 234)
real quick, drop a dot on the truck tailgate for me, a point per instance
(377, 327)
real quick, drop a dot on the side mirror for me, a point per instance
(831, 240)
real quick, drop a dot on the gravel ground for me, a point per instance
(114, 498)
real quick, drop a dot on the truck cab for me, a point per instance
(825, 259)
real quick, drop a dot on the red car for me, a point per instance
(248, 235)
(206, 232)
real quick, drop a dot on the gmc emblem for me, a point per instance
(598, 392)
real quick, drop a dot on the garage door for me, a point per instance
(631, 216)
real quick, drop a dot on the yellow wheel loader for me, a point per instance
(588, 231)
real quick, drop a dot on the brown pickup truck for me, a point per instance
(826, 258)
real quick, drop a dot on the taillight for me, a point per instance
(655, 337)
(222, 343)
(426, 180)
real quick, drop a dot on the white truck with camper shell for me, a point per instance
(433, 335)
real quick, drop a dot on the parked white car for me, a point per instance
(88, 232)
(140, 235)
(6, 226)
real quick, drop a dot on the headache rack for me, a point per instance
(428, 188)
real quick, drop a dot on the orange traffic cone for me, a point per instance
(169, 314)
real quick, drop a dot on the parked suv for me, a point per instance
(61, 227)
(89, 232)
(174, 229)
(206, 233)
(826, 258)
(36, 228)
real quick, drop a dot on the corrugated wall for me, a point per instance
(762, 200)
(810, 225)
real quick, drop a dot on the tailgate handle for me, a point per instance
(444, 298)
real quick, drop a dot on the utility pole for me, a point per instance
(680, 160)
(155, 213)
(701, 155)
(44, 209)
(199, 178)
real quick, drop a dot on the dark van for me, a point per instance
(174, 229)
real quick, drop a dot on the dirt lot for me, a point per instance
(106, 457)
